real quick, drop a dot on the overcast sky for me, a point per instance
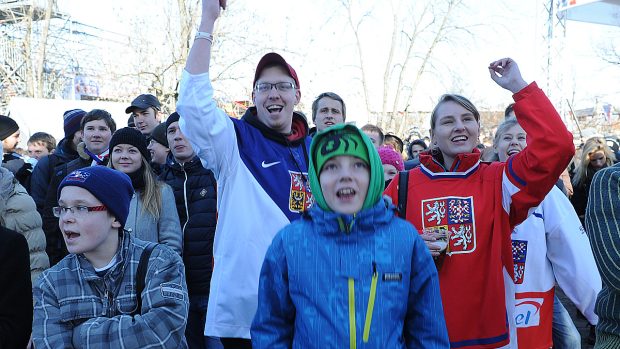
(320, 47)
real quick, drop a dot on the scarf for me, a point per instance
(137, 179)
(100, 159)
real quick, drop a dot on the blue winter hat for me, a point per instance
(71, 121)
(113, 188)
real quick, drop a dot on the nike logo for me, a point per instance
(267, 165)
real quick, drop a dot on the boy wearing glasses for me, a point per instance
(90, 298)
(261, 165)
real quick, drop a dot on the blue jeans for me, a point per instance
(194, 332)
(565, 334)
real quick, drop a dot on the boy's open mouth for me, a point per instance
(345, 193)
(70, 235)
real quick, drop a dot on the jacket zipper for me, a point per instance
(371, 297)
(369, 309)
(185, 199)
(106, 302)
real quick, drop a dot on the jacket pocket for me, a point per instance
(76, 311)
(393, 286)
(127, 304)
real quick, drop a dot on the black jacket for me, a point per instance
(56, 249)
(195, 194)
(16, 294)
(45, 169)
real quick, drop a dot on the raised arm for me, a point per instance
(208, 128)
(505, 72)
(531, 174)
(200, 53)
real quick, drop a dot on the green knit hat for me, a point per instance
(345, 139)
(340, 142)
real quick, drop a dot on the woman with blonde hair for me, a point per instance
(548, 247)
(466, 209)
(152, 212)
(595, 155)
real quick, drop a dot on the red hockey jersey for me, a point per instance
(479, 204)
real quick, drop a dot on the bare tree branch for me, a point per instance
(348, 4)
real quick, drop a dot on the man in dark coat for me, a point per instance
(97, 128)
(195, 194)
(16, 294)
(66, 151)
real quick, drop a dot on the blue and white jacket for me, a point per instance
(262, 186)
(341, 281)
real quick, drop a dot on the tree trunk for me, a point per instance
(40, 62)
(439, 35)
(358, 44)
(388, 67)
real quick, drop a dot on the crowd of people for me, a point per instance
(199, 230)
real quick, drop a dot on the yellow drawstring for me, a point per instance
(369, 309)
(371, 304)
(352, 339)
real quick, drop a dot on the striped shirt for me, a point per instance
(603, 228)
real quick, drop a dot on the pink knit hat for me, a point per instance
(389, 156)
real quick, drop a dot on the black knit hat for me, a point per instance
(131, 136)
(8, 126)
(174, 117)
(159, 135)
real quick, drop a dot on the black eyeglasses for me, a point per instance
(76, 210)
(280, 86)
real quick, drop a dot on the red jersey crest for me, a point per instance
(519, 254)
(300, 197)
(455, 216)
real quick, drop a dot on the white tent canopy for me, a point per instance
(34, 115)
(593, 11)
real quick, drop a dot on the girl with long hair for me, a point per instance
(152, 212)
(595, 155)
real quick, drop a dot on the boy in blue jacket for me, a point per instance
(350, 273)
(90, 298)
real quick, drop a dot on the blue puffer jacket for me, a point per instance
(195, 195)
(336, 281)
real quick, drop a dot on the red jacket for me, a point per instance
(479, 204)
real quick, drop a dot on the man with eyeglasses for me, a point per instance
(261, 165)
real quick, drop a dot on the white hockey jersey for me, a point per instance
(551, 245)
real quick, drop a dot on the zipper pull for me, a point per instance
(374, 268)
(106, 302)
